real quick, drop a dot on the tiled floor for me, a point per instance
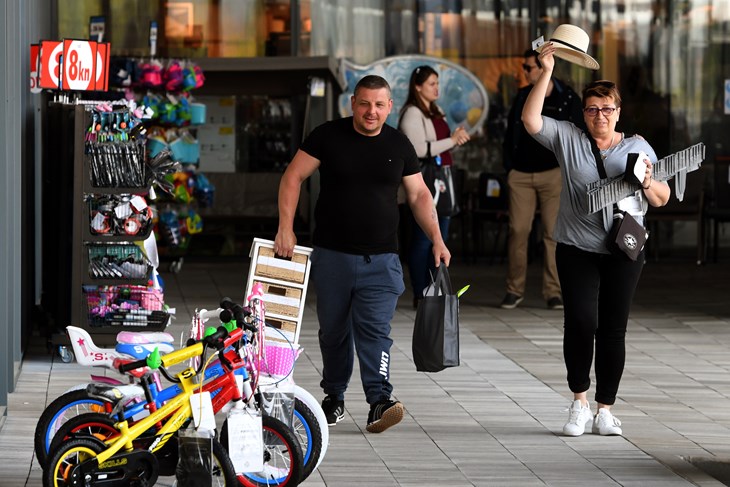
(495, 420)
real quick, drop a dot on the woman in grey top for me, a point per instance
(597, 286)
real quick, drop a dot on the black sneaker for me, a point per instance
(383, 415)
(334, 409)
(511, 301)
(555, 303)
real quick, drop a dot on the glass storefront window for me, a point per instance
(197, 28)
(670, 58)
(353, 29)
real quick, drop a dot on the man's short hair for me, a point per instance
(533, 53)
(372, 82)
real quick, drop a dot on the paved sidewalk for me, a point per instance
(496, 419)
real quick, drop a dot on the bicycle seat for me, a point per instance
(142, 337)
(142, 350)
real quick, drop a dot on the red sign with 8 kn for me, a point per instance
(73, 64)
(78, 65)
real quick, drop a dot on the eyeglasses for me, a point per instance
(606, 111)
(528, 68)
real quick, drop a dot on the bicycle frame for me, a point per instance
(172, 415)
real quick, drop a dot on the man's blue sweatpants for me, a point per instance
(356, 300)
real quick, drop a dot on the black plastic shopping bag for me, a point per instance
(436, 331)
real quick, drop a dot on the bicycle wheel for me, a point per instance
(97, 425)
(101, 427)
(308, 432)
(283, 461)
(77, 450)
(58, 472)
(313, 404)
(66, 406)
(223, 472)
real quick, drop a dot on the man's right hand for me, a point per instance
(284, 243)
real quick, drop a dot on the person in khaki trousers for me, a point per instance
(534, 178)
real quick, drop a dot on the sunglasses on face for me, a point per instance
(606, 111)
(528, 68)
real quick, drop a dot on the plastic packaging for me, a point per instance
(195, 458)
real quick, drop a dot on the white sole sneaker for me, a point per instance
(578, 418)
(606, 424)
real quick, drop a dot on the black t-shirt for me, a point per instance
(357, 209)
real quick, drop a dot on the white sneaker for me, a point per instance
(578, 417)
(606, 424)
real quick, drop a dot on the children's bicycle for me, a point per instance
(309, 423)
(128, 457)
(282, 457)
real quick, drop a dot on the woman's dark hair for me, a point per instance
(418, 77)
(602, 89)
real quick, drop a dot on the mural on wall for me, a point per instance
(462, 95)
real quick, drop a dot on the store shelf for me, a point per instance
(110, 273)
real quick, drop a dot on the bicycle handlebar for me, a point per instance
(205, 315)
(218, 340)
(133, 365)
(238, 313)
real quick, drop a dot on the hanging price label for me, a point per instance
(50, 65)
(79, 59)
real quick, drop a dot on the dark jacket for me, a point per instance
(521, 151)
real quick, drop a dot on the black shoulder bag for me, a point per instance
(626, 237)
(440, 183)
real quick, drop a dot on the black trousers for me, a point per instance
(597, 293)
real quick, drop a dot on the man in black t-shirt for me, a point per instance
(356, 270)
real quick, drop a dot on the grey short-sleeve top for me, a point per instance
(575, 226)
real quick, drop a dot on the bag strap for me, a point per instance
(597, 154)
(443, 280)
(599, 162)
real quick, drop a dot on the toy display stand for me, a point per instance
(109, 273)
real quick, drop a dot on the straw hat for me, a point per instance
(571, 43)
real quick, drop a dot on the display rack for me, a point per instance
(106, 268)
(284, 281)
